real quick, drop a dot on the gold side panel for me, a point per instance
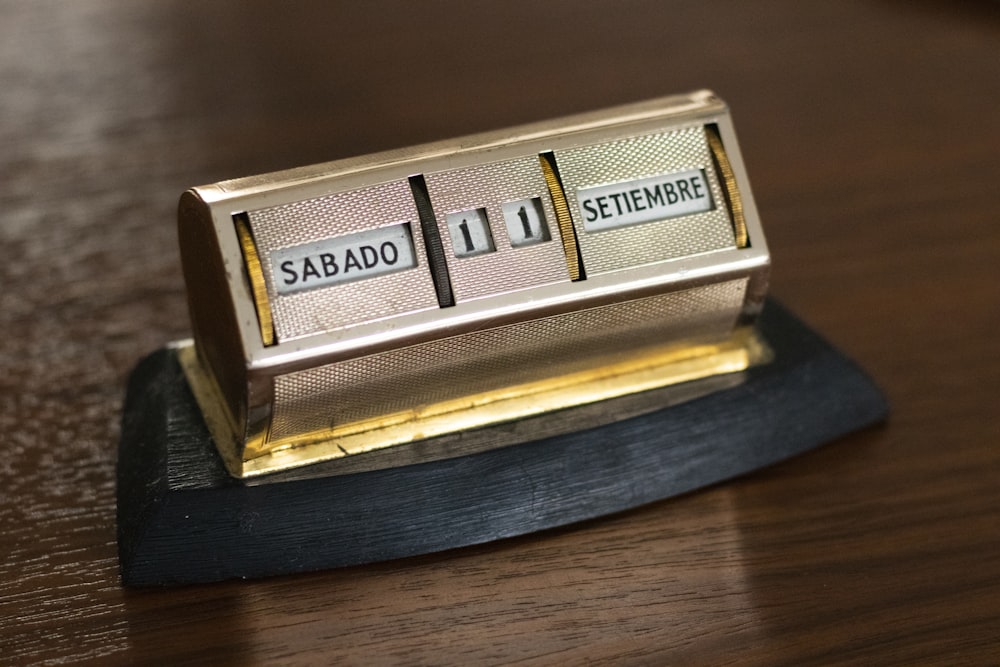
(334, 395)
(256, 277)
(339, 306)
(635, 158)
(563, 217)
(506, 269)
(732, 191)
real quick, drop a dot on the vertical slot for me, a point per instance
(432, 242)
(730, 190)
(255, 275)
(574, 262)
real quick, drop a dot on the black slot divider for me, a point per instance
(432, 241)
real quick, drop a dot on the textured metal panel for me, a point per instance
(638, 157)
(335, 394)
(489, 186)
(338, 306)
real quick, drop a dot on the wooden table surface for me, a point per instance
(872, 136)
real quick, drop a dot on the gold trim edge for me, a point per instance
(653, 369)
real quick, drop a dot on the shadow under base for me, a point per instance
(182, 519)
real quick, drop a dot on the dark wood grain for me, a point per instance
(872, 138)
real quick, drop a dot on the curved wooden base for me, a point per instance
(183, 519)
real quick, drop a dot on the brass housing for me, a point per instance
(340, 370)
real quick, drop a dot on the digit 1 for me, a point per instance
(521, 213)
(469, 245)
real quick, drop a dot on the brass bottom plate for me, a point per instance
(654, 368)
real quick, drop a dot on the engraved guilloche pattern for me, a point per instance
(505, 268)
(636, 158)
(337, 306)
(335, 394)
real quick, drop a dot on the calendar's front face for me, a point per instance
(371, 303)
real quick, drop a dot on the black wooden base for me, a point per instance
(182, 519)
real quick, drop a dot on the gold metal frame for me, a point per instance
(237, 359)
